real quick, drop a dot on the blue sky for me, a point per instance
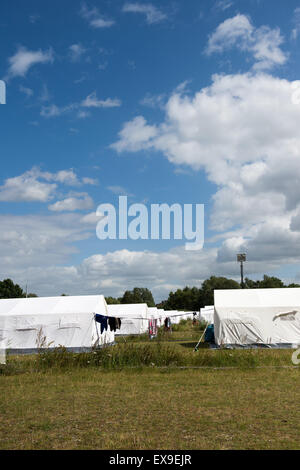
(169, 101)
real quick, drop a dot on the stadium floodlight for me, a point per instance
(241, 258)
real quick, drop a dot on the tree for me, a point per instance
(213, 283)
(266, 283)
(188, 299)
(139, 295)
(9, 290)
(112, 301)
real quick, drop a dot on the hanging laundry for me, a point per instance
(112, 321)
(102, 320)
(118, 323)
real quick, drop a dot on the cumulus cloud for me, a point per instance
(94, 18)
(26, 188)
(114, 272)
(35, 241)
(38, 186)
(152, 13)
(242, 130)
(76, 202)
(24, 59)
(135, 135)
(263, 43)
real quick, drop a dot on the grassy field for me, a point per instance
(161, 396)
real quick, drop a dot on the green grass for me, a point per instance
(151, 409)
(143, 394)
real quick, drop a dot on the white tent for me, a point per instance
(207, 314)
(174, 316)
(161, 316)
(63, 321)
(188, 316)
(153, 312)
(257, 317)
(134, 318)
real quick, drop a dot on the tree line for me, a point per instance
(187, 299)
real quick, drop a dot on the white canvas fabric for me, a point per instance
(207, 314)
(175, 316)
(257, 316)
(153, 312)
(134, 318)
(30, 323)
(188, 316)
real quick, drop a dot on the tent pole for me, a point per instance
(196, 347)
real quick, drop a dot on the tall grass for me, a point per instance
(135, 355)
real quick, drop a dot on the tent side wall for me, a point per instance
(134, 318)
(265, 317)
(23, 332)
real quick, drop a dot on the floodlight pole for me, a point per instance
(241, 257)
(242, 275)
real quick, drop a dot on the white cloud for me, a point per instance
(79, 201)
(91, 219)
(152, 13)
(92, 181)
(34, 18)
(223, 4)
(94, 18)
(242, 130)
(38, 186)
(24, 59)
(27, 91)
(154, 101)
(91, 101)
(135, 135)
(35, 242)
(296, 23)
(26, 188)
(76, 51)
(83, 114)
(54, 111)
(263, 43)
(119, 190)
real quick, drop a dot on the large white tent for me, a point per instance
(207, 314)
(134, 318)
(174, 316)
(257, 317)
(62, 321)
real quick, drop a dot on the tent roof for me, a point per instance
(128, 310)
(51, 305)
(284, 297)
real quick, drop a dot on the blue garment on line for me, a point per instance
(102, 320)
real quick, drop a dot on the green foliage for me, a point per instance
(192, 298)
(266, 283)
(9, 290)
(139, 295)
(213, 283)
(187, 299)
(112, 301)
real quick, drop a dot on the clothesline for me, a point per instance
(145, 318)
